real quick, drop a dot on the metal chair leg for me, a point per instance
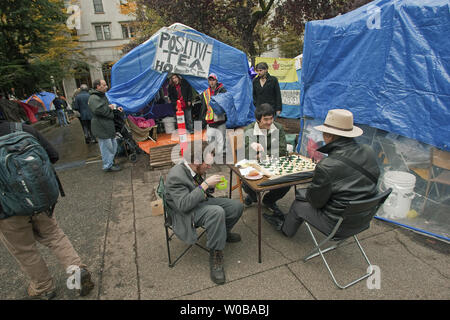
(169, 238)
(321, 253)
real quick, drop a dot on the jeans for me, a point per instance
(61, 117)
(108, 149)
(188, 119)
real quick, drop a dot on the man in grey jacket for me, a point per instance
(191, 205)
(102, 124)
(335, 180)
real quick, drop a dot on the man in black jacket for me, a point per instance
(266, 88)
(335, 182)
(19, 234)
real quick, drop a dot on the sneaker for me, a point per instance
(274, 220)
(233, 237)
(248, 201)
(86, 284)
(49, 295)
(114, 167)
(217, 272)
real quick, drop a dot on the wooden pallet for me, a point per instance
(160, 157)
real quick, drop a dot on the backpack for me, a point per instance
(28, 182)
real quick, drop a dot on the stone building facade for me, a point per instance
(103, 26)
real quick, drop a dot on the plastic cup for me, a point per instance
(222, 185)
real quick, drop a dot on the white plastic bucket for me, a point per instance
(398, 203)
(169, 124)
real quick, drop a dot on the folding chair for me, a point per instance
(358, 215)
(169, 229)
(236, 139)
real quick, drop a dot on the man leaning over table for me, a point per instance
(264, 137)
(191, 205)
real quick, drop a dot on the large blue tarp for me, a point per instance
(134, 82)
(388, 62)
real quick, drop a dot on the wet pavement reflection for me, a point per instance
(70, 144)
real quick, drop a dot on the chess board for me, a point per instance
(283, 166)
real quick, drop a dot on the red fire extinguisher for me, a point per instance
(181, 127)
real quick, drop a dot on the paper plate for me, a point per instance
(259, 176)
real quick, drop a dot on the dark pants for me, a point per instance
(302, 210)
(86, 125)
(270, 197)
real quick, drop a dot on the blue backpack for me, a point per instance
(28, 181)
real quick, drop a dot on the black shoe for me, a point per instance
(275, 209)
(216, 266)
(274, 220)
(233, 237)
(86, 284)
(248, 201)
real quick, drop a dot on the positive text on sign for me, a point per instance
(183, 55)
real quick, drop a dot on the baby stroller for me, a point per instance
(125, 141)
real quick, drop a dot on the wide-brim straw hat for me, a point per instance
(340, 123)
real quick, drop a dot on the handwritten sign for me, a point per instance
(290, 97)
(177, 53)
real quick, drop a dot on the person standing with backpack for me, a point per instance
(26, 210)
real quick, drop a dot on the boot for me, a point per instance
(86, 284)
(216, 266)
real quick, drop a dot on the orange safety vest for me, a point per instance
(209, 109)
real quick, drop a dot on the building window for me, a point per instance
(98, 6)
(127, 31)
(103, 32)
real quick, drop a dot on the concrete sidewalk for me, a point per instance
(107, 216)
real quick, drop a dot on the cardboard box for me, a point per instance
(157, 207)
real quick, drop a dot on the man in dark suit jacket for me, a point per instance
(191, 205)
(81, 105)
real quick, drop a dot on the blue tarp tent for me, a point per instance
(388, 62)
(42, 97)
(134, 80)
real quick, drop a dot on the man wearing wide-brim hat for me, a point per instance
(350, 172)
